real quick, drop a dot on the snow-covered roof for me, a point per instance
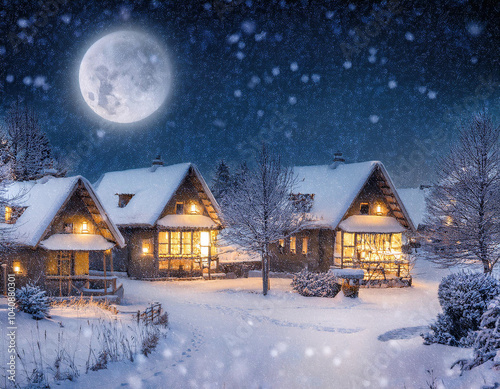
(152, 188)
(187, 221)
(42, 200)
(371, 223)
(414, 201)
(77, 242)
(335, 189)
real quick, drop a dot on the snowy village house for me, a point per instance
(168, 217)
(358, 221)
(58, 230)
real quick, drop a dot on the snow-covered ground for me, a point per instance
(225, 334)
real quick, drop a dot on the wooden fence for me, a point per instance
(151, 314)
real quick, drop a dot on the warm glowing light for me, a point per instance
(146, 246)
(379, 209)
(193, 208)
(85, 227)
(8, 214)
(17, 267)
(145, 249)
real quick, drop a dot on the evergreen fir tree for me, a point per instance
(222, 180)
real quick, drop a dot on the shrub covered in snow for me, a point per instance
(316, 284)
(33, 300)
(464, 298)
(487, 342)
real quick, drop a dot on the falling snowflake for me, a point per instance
(409, 36)
(431, 95)
(261, 36)
(475, 29)
(237, 93)
(27, 80)
(9, 78)
(329, 14)
(241, 45)
(374, 118)
(347, 64)
(260, 113)
(276, 71)
(294, 66)
(66, 18)
(473, 60)
(304, 78)
(100, 133)
(392, 84)
(422, 89)
(372, 59)
(292, 100)
(240, 55)
(316, 78)
(248, 27)
(372, 50)
(2, 50)
(233, 38)
(23, 23)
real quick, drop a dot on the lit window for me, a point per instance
(16, 266)
(179, 208)
(293, 241)
(8, 214)
(281, 243)
(304, 245)
(85, 228)
(163, 244)
(364, 208)
(175, 242)
(186, 242)
(205, 243)
(193, 208)
(379, 209)
(146, 246)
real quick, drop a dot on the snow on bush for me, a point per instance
(464, 298)
(316, 284)
(33, 300)
(487, 342)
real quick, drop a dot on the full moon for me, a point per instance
(125, 76)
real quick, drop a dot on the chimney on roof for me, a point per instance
(338, 160)
(157, 161)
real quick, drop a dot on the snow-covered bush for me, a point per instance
(487, 342)
(464, 298)
(316, 284)
(33, 300)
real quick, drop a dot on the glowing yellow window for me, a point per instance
(8, 214)
(16, 266)
(305, 241)
(205, 243)
(85, 228)
(147, 246)
(163, 244)
(293, 244)
(186, 243)
(281, 243)
(175, 242)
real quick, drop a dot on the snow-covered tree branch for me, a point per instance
(258, 209)
(464, 205)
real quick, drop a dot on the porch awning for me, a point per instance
(371, 224)
(76, 242)
(187, 221)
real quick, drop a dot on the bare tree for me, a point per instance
(464, 205)
(258, 209)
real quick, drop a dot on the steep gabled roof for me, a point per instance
(414, 201)
(336, 189)
(152, 188)
(42, 200)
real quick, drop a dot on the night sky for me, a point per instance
(249, 72)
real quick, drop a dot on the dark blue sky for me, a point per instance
(273, 71)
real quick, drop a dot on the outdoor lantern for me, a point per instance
(85, 227)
